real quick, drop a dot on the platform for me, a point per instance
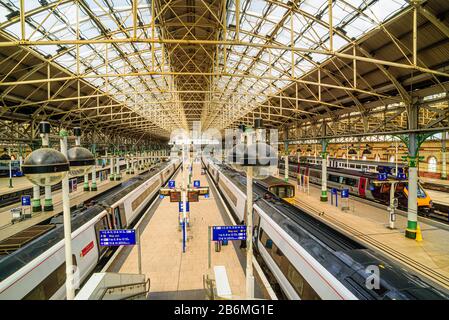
(174, 274)
(434, 181)
(439, 196)
(21, 183)
(7, 229)
(368, 224)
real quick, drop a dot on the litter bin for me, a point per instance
(217, 246)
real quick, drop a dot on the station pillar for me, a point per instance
(94, 178)
(132, 164)
(443, 157)
(86, 186)
(127, 164)
(412, 212)
(48, 202)
(118, 176)
(112, 176)
(323, 170)
(37, 207)
(413, 143)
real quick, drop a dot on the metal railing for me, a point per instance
(131, 286)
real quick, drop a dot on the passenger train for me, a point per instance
(309, 259)
(37, 270)
(278, 187)
(352, 164)
(361, 184)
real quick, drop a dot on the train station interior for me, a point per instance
(254, 150)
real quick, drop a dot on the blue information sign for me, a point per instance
(345, 193)
(181, 206)
(334, 191)
(26, 200)
(381, 176)
(171, 184)
(221, 233)
(402, 176)
(126, 237)
(196, 183)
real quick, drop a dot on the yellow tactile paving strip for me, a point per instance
(175, 274)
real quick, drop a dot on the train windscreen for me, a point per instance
(283, 191)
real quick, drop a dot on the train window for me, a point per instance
(269, 244)
(117, 219)
(351, 182)
(316, 174)
(420, 192)
(385, 188)
(281, 192)
(101, 225)
(333, 178)
(400, 187)
(296, 280)
(432, 164)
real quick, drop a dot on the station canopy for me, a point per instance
(149, 67)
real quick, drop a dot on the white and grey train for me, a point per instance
(37, 271)
(309, 259)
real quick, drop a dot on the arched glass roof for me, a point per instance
(228, 69)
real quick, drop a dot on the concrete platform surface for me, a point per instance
(178, 275)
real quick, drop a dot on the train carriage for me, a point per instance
(37, 271)
(309, 259)
(361, 184)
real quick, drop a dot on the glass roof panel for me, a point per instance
(259, 20)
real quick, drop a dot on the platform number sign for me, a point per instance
(124, 237)
(196, 183)
(181, 206)
(171, 184)
(26, 201)
(382, 176)
(402, 176)
(345, 193)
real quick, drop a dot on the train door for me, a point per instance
(118, 217)
(362, 187)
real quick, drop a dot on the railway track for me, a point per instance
(434, 276)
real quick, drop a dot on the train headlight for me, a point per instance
(45, 167)
(81, 161)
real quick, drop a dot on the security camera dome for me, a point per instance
(81, 161)
(45, 167)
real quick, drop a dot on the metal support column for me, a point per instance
(37, 207)
(323, 170)
(443, 156)
(413, 162)
(86, 186)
